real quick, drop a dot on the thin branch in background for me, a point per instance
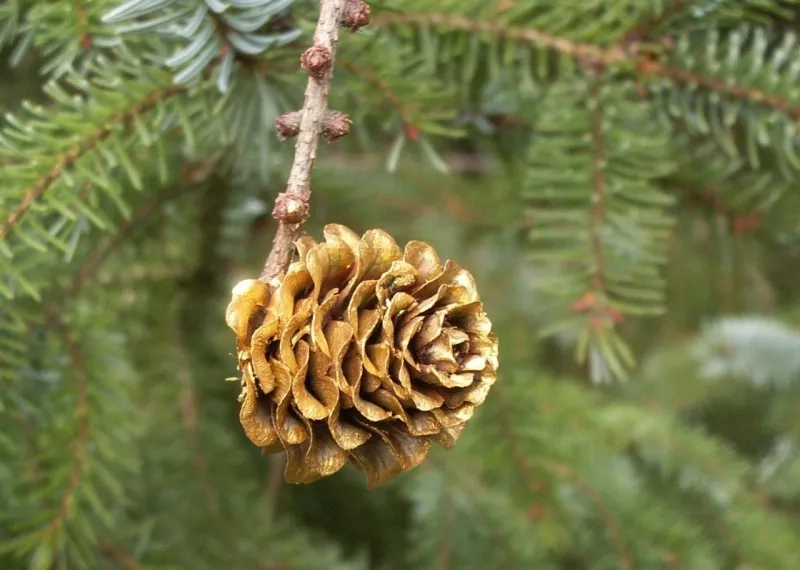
(457, 162)
(78, 367)
(504, 6)
(599, 161)
(470, 478)
(444, 560)
(89, 268)
(674, 561)
(613, 529)
(33, 469)
(566, 472)
(586, 53)
(719, 86)
(291, 206)
(411, 130)
(594, 56)
(757, 499)
(189, 414)
(642, 31)
(120, 556)
(68, 158)
(594, 302)
(100, 253)
(709, 198)
(82, 15)
(272, 489)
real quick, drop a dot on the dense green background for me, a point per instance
(641, 151)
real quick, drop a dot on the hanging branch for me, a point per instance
(291, 208)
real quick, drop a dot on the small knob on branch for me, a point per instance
(290, 208)
(335, 124)
(316, 60)
(356, 15)
(288, 124)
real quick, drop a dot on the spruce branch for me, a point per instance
(564, 472)
(139, 216)
(594, 301)
(210, 35)
(595, 56)
(291, 206)
(70, 156)
(595, 498)
(722, 87)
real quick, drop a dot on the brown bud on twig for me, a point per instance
(290, 208)
(288, 124)
(335, 125)
(316, 60)
(356, 15)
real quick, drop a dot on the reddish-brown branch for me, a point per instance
(740, 222)
(598, 187)
(82, 16)
(705, 197)
(120, 556)
(588, 53)
(593, 302)
(189, 413)
(644, 29)
(411, 130)
(566, 472)
(740, 92)
(68, 158)
(78, 366)
(594, 56)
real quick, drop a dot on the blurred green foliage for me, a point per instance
(620, 177)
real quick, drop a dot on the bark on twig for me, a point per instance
(318, 61)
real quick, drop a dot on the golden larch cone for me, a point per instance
(360, 352)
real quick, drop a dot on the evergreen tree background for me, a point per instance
(621, 177)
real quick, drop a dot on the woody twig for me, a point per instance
(291, 208)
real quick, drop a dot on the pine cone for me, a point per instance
(360, 352)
